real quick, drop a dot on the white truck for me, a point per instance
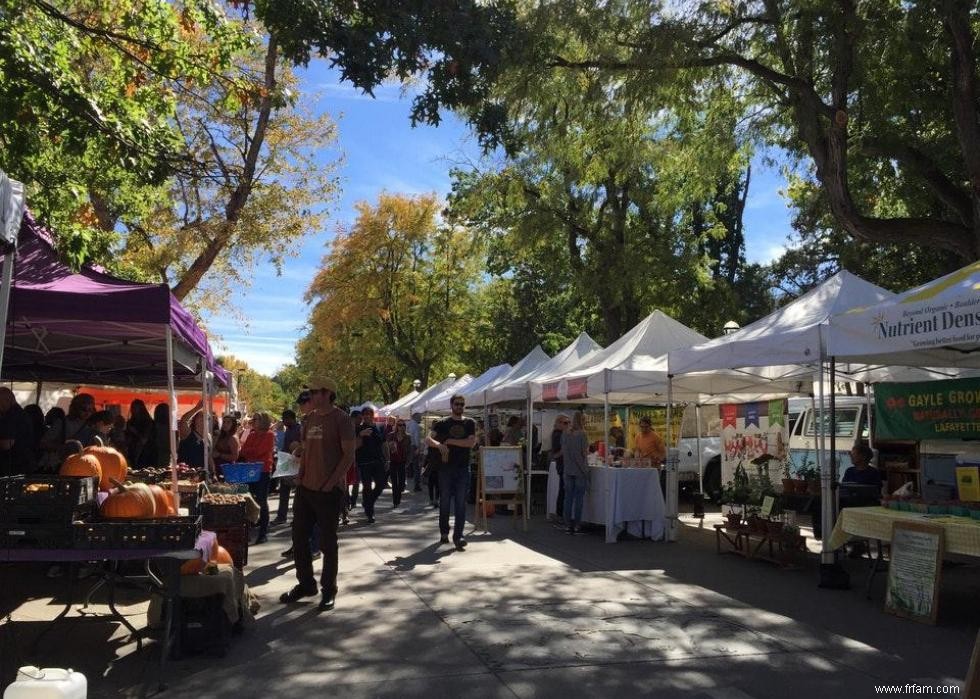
(689, 482)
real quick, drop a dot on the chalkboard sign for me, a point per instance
(500, 469)
(914, 572)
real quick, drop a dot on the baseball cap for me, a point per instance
(317, 382)
(303, 397)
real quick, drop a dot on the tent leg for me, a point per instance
(529, 440)
(832, 574)
(671, 466)
(172, 398)
(205, 396)
(605, 426)
(867, 417)
(697, 445)
(7, 276)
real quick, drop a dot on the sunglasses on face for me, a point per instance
(459, 403)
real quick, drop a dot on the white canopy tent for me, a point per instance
(439, 403)
(510, 387)
(474, 392)
(580, 350)
(415, 405)
(936, 324)
(391, 408)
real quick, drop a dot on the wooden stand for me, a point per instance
(756, 546)
(899, 462)
(511, 496)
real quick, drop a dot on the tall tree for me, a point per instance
(881, 96)
(400, 286)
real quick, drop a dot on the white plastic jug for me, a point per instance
(47, 683)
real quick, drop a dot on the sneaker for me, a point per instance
(262, 540)
(570, 530)
(288, 553)
(370, 520)
(578, 530)
(326, 603)
(316, 555)
(277, 521)
(461, 544)
(444, 540)
(297, 593)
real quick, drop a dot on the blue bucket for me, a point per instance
(242, 473)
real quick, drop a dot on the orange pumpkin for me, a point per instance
(223, 556)
(129, 501)
(164, 501)
(192, 567)
(81, 465)
(112, 463)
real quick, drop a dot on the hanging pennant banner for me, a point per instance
(947, 409)
(776, 410)
(752, 415)
(729, 414)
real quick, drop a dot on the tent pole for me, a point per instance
(207, 423)
(605, 425)
(697, 416)
(529, 439)
(37, 396)
(867, 417)
(671, 466)
(7, 284)
(172, 398)
(826, 555)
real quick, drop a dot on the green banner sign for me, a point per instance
(928, 410)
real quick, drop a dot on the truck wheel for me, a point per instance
(712, 479)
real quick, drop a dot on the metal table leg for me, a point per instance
(69, 601)
(171, 606)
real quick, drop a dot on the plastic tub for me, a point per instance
(242, 473)
(47, 683)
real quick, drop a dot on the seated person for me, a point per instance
(862, 472)
(649, 445)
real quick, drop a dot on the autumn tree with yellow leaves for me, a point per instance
(393, 299)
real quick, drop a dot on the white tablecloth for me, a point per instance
(619, 498)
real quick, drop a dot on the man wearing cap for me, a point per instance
(454, 437)
(328, 451)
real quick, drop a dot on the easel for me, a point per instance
(513, 497)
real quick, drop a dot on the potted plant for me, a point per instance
(791, 538)
(811, 476)
(789, 483)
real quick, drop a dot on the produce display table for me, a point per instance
(168, 581)
(619, 498)
(961, 534)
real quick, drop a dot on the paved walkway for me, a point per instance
(540, 614)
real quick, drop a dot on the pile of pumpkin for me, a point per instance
(129, 500)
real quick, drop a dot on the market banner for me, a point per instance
(749, 431)
(549, 391)
(577, 388)
(752, 415)
(948, 409)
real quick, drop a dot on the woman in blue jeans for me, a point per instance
(575, 451)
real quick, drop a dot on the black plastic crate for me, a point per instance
(65, 490)
(36, 536)
(235, 541)
(219, 516)
(171, 534)
(43, 512)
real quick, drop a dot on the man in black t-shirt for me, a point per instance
(453, 437)
(371, 457)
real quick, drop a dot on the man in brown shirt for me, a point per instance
(327, 453)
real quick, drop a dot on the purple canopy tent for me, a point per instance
(90, 327)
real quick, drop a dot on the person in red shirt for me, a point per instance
(260, 445)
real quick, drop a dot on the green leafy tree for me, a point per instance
(257, 391)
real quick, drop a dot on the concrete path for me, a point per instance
(536, 614)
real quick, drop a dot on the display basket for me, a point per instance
(170, 534)
(44, 535)
(34, 490)
(243, 472)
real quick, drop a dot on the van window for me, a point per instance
(793, 417)
(846, 422)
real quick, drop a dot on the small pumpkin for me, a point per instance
(112, 463)
(81, 465)
(129, 501)
(223, 556)
(192, 567)
(164, 501)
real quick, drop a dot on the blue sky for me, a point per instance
(382, 152)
